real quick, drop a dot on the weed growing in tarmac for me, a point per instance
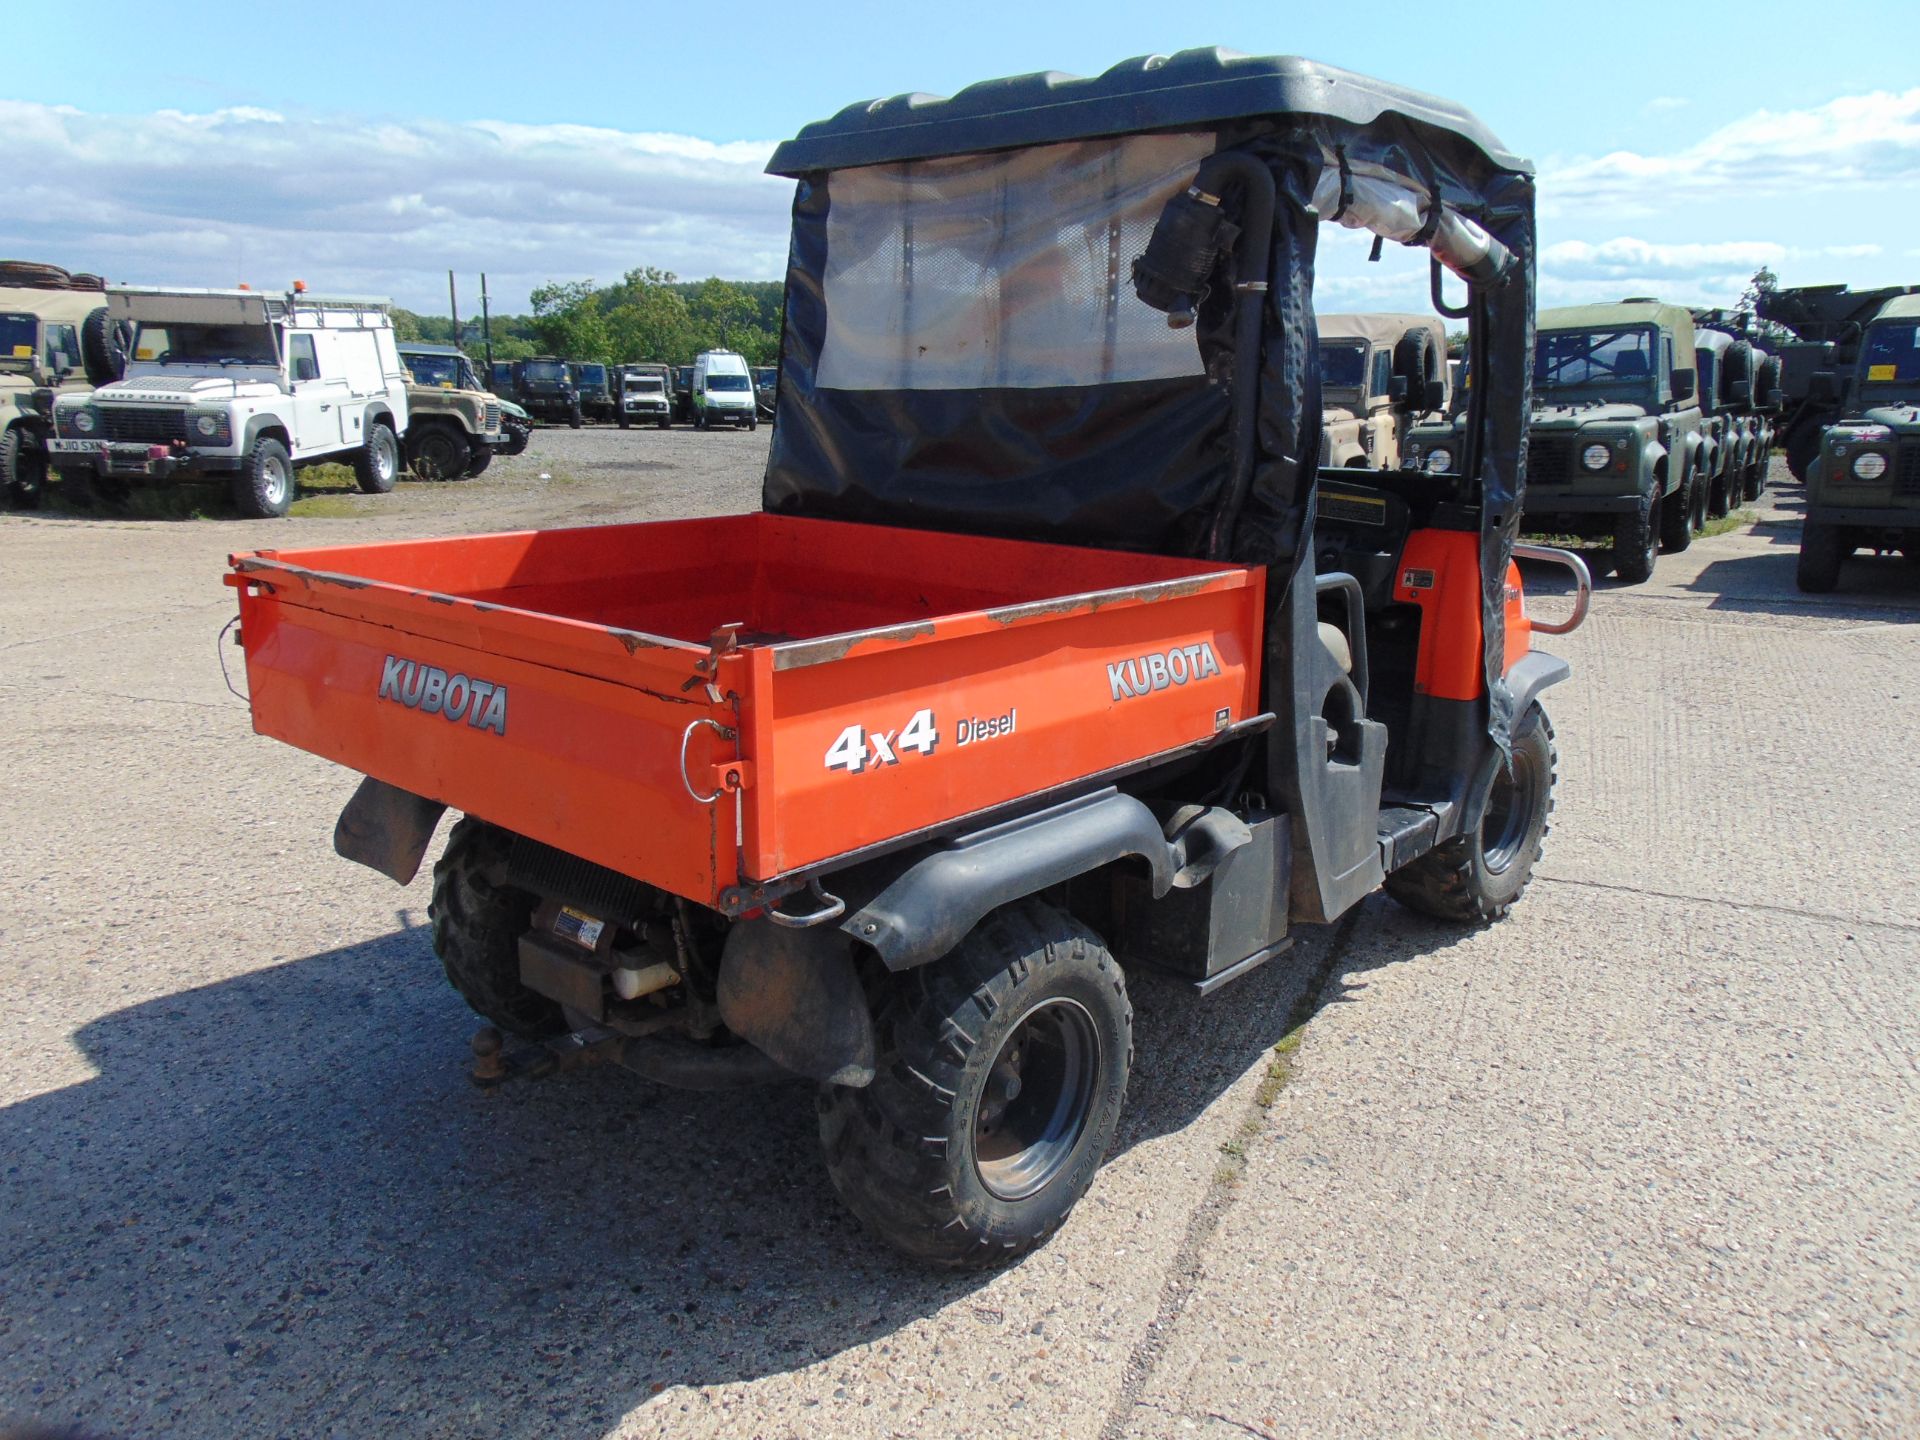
(1735, 520)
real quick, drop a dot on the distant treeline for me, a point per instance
(650, 315)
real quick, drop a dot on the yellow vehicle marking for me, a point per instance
(1881, 372)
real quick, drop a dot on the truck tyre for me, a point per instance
(1676, 516)
(624, 422)
(574, 420)
(1002, 1072)
(1821, 551)
(665, 422)
(1802, 446)
(1756, 485)
(23, 470)
(436, 451)
(263, 490)
(479, 456)
(477, 922)
(517, 437)
(376, 464)
(753, 422)
(1636, 542)
(101, 354)
(1720, 496)
(1475, 879)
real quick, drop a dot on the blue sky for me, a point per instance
(1679, 145)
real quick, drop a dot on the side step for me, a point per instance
(1406, 833)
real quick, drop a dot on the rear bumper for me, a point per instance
(155, 462)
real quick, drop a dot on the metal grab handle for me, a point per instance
(1356, 599)
(724, 733)
(832, 907)
(1582, 581)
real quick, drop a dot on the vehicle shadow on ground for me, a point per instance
(1882, 588)
(286, 1177)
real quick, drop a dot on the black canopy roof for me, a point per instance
(1149, 92)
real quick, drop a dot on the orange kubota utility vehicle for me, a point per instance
(1049, 655)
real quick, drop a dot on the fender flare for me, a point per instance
(1532, 673)
(1653, 457)
(921, 909)
(265, 420)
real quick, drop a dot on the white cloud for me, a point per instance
(1665, 102)
(1872, 138)
(354, 205)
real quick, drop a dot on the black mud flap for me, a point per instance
(795, 995)
(387, 829)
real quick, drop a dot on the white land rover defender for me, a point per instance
(242, 384)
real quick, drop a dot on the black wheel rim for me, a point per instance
(1037, 1098)
(1509, 818)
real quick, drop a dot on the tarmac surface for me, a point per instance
(1643, 1160)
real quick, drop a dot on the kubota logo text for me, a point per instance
(1156, 672)
(431, 691)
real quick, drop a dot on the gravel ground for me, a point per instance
(1641, 1161)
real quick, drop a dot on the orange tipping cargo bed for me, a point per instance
(832, 687)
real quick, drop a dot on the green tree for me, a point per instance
(648, 318)
(568, 320)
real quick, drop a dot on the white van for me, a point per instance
(723, 391)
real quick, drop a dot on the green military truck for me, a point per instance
(1863, 486)
(594, 387)
(56, 338)
(455, 424)
(1827, 323)
(1379, 375)
(543, 386)
(1614, 447)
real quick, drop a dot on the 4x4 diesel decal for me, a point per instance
(431, 691)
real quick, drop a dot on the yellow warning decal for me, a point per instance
(143, 354)
(1881, 372)
(23, 352)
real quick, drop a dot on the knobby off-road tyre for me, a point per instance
(1476, 878)
(1802, 445)
(263, 490)
(102, 355)
(1821, 554)
(1723, 494)
(1636, 543)
(574, 418)
(23, 471)
(436, 451)
(1002, 1073)
(479, 456)
(1676, 516)
(518, 437)
(624, 421)
(1414, 358)
(477, 921)
(376, 464)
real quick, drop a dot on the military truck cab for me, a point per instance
(1863, 488)
(543, 387)
(1379, 376)
(243, 386)
(594, 387)
(1614, 447)
(643, 394)
(56, 339)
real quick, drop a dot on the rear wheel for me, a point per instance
(263, 490)
(1821, 551)
(1476, 878)
(1802, 447)
(1636, 542)
(478, 920)
(1720, 498)
(624, 422)
(518, 435)
(436, 451)
(574, 419)
(376, 464)
(1002, 1073)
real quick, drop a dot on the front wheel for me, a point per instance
(479, 457)
(23, 470)
(1475, 878)
(1636, 542)
(436, 451)
(263, 490)
(1821, 551)
(1002, 1072)
(574, 420)
(1676, 517)
(376, 464)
